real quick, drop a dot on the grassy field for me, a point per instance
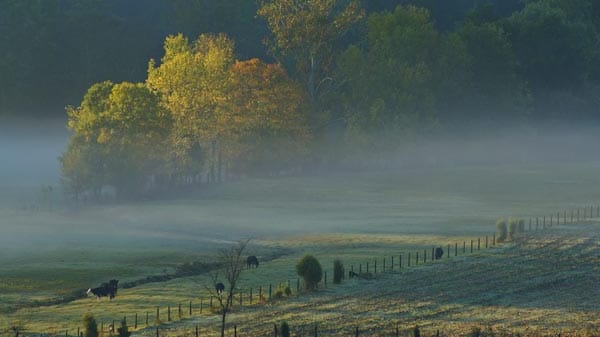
(545, 283)
(357, 217)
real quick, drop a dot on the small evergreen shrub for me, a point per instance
(285, 329)
(501, 229)
(310, 270)
(90, 326)
(287, 291)
(521, 226)
(513, 229)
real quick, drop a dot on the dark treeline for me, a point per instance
(268, 86)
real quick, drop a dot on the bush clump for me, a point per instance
(513, 229)
(310, 270)
(338, 271)
(90, 326)
(521, 226)
(285, 329)
(501, 229)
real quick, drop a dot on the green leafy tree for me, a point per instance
(310, 270)
(305, 34)
(388, 95)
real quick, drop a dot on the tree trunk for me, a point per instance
(223, 322)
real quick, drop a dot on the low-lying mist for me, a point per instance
(454, 184)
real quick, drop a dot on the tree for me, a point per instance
(90, 326)
(233, 263)
(118, 131)
(305, 32)
(193, 81)
(388, 84)
(310, 270)
(267, 128)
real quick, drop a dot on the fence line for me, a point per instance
(195, 309)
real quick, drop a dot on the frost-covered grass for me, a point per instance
(355, 217)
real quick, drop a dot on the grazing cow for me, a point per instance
(105, 289)
(439, 252)
(352, 274)
(252, 261)
(219, 287)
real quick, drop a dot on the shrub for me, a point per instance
(501, 229)
(123, 331)
(90, 326)
(279, 293)
(475, 332)
(285, 329)
(513, 229)
(310, 270)
(287, 291)
(416, 331)
(338, 271)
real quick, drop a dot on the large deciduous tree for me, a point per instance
(193, 81)
(388, 91)
(304, 34)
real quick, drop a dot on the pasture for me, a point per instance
(358, 217)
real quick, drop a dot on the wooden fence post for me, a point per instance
(275, 330)
(135, 322)
(316, 335)
(530, 224)
(201, 305)
(270, 290)
(471, 246)
(250, 295)
(260, 296)
(550, 220)
(211, 302)
(157, 315)
(486, 242)
(400, 261)
(478, 243)
(190, 308)
(537, 222)
(360, 268)
(325, 278)
(558, 218)
(571, 216)
(408, 259)
(367, 267)
(448, 253)
(196, 330)
(424, 255)
(544, 223)
(416, 258)
(356, 333)
(464, 247)
(456, 249)
(235, 330)
(494, 239)
(392, 267)
(179, 312)
(384, 264)
(241, 294)
(169, 313)
(432, 254)
(157, 335)
(375, 266)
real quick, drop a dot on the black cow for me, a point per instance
(252, 261)
(105, 289)
(219, 287)
(352, 274)
(439, 252)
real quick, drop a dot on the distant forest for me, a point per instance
(162, 95)
(548, 50)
